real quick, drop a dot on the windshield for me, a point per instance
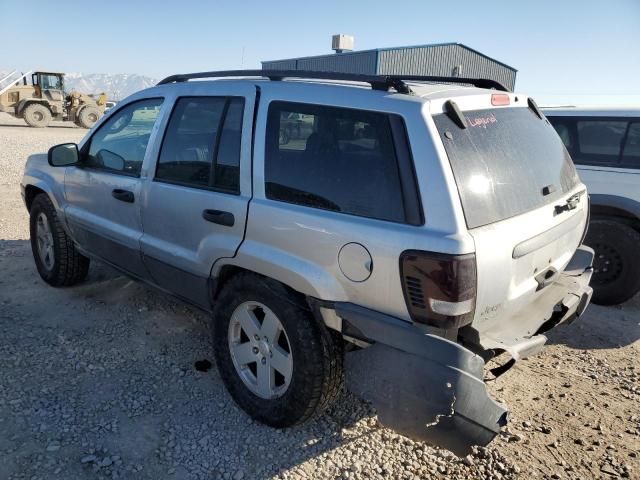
(51, 82)
(506, 162)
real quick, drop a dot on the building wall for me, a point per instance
(437, 60)
(441, 60)
(280, 65)
(355, 62)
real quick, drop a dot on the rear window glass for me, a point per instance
(503, 161)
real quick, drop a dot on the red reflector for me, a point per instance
(498, 99)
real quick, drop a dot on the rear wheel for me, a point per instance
(279, 364)
(37, 115)
(58, 261)
(616, 266)
(88, 116)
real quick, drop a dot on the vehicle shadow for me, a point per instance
(601, 327)
(144, 336)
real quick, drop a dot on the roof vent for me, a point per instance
(342, 43)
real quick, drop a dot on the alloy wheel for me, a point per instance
(44, 239)
(260, 350)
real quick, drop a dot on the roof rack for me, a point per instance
(377, 82)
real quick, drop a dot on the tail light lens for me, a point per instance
(439, 289)
(499, 99)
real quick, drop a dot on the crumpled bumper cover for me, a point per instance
(422, 386)
(563, 301)
(431, 389)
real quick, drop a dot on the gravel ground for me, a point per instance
(98, 381)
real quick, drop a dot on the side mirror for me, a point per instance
(63, 155)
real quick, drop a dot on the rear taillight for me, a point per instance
(439, 289)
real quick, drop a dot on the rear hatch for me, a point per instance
(524, 206)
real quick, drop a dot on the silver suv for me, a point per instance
(425, 228)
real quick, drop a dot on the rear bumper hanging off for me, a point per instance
(422, 386)
(431, 389)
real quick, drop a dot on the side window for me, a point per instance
(564, 132)
(227, 167)
(334, 159)
(121, 142)
(631, 152)
(599, 141)
(201, 147)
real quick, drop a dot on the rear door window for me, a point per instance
(336, 159)
(506, 162)
(201, 147)
(600, 141)
(631, 152)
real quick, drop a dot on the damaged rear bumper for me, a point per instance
(562, 301)
(431, 389)
(421, 385)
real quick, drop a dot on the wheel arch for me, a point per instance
(296, 274)
(224, 273)
(30, 193)
(614, 206)
(33, 186)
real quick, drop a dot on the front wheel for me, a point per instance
(279, 364)
(58, 261)
(37, 115)
(616, 265)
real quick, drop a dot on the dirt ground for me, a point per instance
(97, 381)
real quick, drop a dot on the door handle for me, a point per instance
(123, 195)
(220, 217)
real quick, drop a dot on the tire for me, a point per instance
(316, 356)
(88, 116)
(37, 115)
(62, 265)
(616, 265)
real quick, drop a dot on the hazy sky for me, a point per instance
(566, 51)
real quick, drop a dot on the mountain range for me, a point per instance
(116, 85)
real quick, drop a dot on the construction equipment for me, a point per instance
(44, 99)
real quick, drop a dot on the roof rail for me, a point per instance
(377, 82)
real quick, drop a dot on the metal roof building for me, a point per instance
(444, 59)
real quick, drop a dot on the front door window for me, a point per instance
(120, 143)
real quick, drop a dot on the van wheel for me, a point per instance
(88, 116)
(57, 260)
(37, 115)
(616, 265)
(279, 364)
